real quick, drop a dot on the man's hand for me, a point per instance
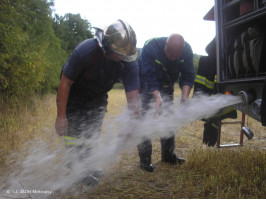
(158, 100)
(61, 126)
(133, 102)
(185, 93)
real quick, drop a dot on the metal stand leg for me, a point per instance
(242, 122)
(241, 132)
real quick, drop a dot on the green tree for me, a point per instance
(28, 47)
(71, 29)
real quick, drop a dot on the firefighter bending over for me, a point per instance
(164, 61)
(94, 67)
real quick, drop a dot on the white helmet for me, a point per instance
(121, 38)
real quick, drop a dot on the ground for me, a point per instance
(236, 172)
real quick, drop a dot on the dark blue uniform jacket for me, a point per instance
(94, 75)
(156, 71)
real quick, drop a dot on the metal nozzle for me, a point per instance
(255, 106)
(247, 97)
(247, 132)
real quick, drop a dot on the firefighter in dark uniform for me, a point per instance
(205, 83)
(162, 62)
(93, 68)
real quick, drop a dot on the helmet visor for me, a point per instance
(130, 58)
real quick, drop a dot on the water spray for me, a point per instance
(46, 170)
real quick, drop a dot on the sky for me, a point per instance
(149, 18)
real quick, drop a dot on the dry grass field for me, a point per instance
(237, 172)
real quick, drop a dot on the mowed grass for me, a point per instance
(238, 172)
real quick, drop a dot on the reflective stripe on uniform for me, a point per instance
(215, 79)
(225, 111)
(160, 63)
(149, 40)
(70, 140)
(214, 126)
(204, 81)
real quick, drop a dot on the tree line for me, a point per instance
(34, 45)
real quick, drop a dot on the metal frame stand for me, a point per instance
(242, 122)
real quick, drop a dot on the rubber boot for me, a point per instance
(92, 177)
(78, 153)
(168, 147)
(89, 180)
(145, 151)
(211, 131)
